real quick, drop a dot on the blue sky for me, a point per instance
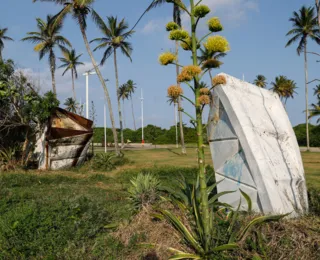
(255, 29)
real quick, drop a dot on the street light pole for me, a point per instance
(87, 74)
(142, 118)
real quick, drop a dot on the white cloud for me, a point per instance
(231, 12)
(63, 83)
(155, 25)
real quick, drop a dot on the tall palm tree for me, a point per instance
(260, 81)
(46, 39)
(317, 91)
(124, 95)
(70, 62)
(177, 20)
(315, 111)
(210, 60)
(3, 37)
(71, 105)
(79, 10)
(131, 87)
(284, 87)
(305, 26)
(115, 36)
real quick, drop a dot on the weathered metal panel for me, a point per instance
(254, 148)
(67, 140)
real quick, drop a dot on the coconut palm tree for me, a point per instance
(46, 39)
(115, 37)
(260, 81)
(177, 20)
(317, 91)
(131, 87)
(123, 94)
(71, 61)
(305, 26)
(3, 37)
(284, 87)
(210, 60)
(79, 10)
(71, 105)
(315, 111)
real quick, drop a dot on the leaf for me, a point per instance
(180, 227)
(217, 196)
(226, 247)
(260, 220)
(185, 256)
(248, 199)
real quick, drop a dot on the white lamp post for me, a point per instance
(87, 74)
(142, 117)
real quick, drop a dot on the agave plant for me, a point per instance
(8, 159)
(208, 247)
(144, 190)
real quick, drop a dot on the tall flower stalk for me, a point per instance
(193, 74)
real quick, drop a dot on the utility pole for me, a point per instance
(105, 127)
(142, 139)
(87, 74)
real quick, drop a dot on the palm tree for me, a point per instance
(260, 81)
(131, 86)
(71, 105)
(46, 39)
(70, 62)
(317, 91)
(3, 37)
(284, 87)
(315, 111)
(123, 94)
(305, 26)
(79, 10)
(210, 60)
(114, 37)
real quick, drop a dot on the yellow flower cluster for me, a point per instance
(175, 91)
(201, 11)
(217, 44)
(188, 73)
(215, 25)
(204, 100)
(204, 91)
(178, 35)
(187, 45)
(219, 80)
(167, 58)
(172, 26)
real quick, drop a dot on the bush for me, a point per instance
(300, 131)
(144, 190)
(107, 161)
(314, 201)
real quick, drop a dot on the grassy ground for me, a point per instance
(63, 214)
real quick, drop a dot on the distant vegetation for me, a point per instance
(158, 135)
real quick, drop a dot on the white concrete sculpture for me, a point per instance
(254, 149)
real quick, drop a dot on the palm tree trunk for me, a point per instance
(117, 89)
(183, 147)
(211, 78)
(307, 95)
(134, 120)
(103, 83)
(1, 60)
(73, 89)
(124, 115)
(176, 124)
(53, 69)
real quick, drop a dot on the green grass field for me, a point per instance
(63, 214)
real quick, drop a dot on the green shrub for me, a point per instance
(107, 161)
(314, 131)
(144, 190)
(314, 201)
